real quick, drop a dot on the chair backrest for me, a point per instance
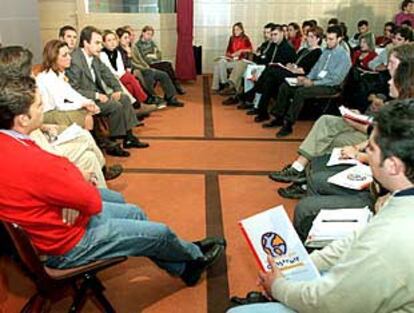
(26, 251)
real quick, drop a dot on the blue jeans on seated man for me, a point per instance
(270, 307)
(122, 229)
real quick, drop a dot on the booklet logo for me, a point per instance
(273, 244)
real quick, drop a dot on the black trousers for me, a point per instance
(152, 75)
(166, 67)
(290, 100)
(268, 86)
(323, 195)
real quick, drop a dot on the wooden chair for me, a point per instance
(52, 283)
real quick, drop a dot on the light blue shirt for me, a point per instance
(332, 67)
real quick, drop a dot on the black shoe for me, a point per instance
(251, 297)
(141, 116)
(228, 91)
(117, 151)
(230, 101)
(294, 191)
(179, 88)
(195, 268)
(206, 244)
(261, 118)
(173, 102)
(245, 106)
(273, 123)
(154, 100)
(252, 112)
(133, 142)
(288, 175)
(112, 172)
(286, 130)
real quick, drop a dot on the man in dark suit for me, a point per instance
(93, 79)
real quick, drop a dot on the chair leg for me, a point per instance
(37, 303)
(98, 289)
(80, 296)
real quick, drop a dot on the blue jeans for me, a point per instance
(109, 195)
(272, 307)
(122, 229)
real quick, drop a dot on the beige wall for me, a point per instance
(56, 13)
(213, 19)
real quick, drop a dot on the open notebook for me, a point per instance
(271, 232)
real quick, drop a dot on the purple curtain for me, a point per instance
(185, 64)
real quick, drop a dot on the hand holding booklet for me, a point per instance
(271, 233)
(356, 117)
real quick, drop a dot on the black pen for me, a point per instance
(339, 221)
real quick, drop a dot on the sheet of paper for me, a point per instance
(357, 177)
(336, 159)
(292, 81)
(72, 132)
(360, 118)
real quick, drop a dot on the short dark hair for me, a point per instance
(335, 29)
(333, 21)
(407, 23)
(362, 23)
(404, 32)
(16, 97)
(313, 23)
(306, 24)
(277, 27)
(405, 3)
(108, 32)
(120, 31)
(395, 133)
(390, 24)
(15, 61)
(64, 29)
(269, 25)
(86, 34)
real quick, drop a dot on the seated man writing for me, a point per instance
(64, 215)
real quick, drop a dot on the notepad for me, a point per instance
(72, 132)
(271, 232)
(334, 224)
(358, 177)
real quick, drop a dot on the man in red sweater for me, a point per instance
(64, 215)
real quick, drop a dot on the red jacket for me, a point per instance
(35, 187)
(296, 42)
(364, 62)
(238, 43)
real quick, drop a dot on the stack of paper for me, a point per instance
(72, 132)
(358, 177)
(336, 159)
(336, 224)
(292, 81)
(356, 117)
(271, 233)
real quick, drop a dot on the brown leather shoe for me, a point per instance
(146, 109)
(112, 172)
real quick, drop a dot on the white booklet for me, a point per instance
(334, 224)
(358, 177)
(72, 132)
(271, 233)
(356, 117)
(292, 81)
(336, 159)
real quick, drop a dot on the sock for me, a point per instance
(297, 166)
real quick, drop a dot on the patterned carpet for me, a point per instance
(205, 170)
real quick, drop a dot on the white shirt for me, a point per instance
(58, 94)
(119, 64)
(89, 60)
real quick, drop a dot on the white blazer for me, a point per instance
(57, 93)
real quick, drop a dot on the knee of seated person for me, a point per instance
(162, 230)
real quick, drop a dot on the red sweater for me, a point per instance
(238, 43)
(363, 63)
(35, 187)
